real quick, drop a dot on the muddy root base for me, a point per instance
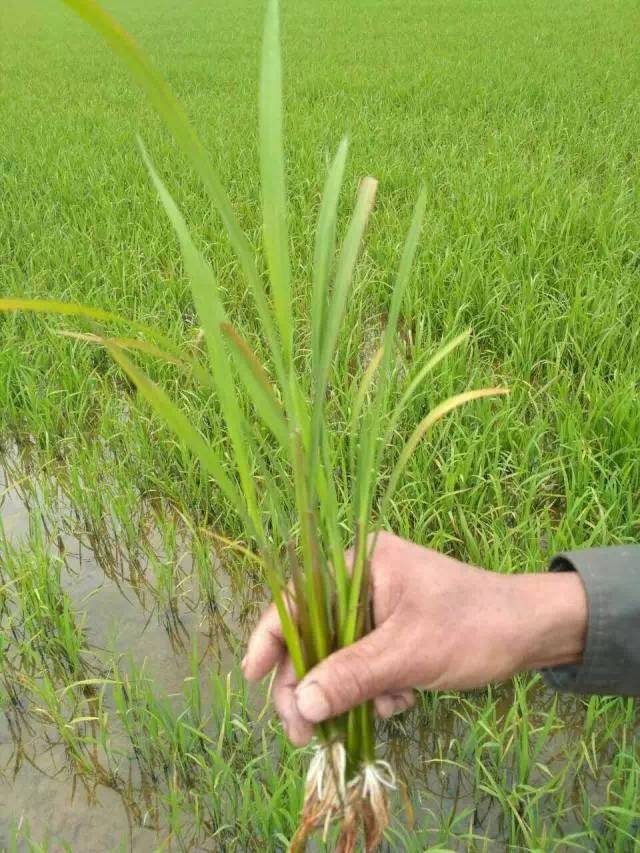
(360, 807)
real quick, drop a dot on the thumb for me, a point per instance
(348, 677)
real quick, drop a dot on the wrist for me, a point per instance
(550, 623)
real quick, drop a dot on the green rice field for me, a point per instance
(126, 589)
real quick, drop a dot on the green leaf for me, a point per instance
(359, 580)
(257, 383)
(363, 388)
(423, 427)
(367, 460)
(274, 204)
(76, 309)
(400, 287)
(184, 362)
(181, 426)
(370, 446)
(324, 251)
(175, 118)
(337, 306)
(419, 378)
(212, 315)
(54, 306)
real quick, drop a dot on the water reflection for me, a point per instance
(149, 591)
(124, 615)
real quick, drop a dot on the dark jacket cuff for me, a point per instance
(611, 660)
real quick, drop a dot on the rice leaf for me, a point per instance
(329, 510)
(274, 204)
(54, 306)
(359, 581)
(367, 460)
(419, 378)
(181, 426)
(185, 362)
(164, 101)
(257, 383)
(358, 402)
(337, 306)
(313, 579)
(363, 388)
(76, 309)
(424, 426)
(175, 118)
(212, 315)
(370, 446)
(402, 280)
(324, 251)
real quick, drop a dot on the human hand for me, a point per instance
(440, 624)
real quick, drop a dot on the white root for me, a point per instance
(327, 772)
(360, 802)
(377, 774)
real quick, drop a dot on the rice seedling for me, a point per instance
(277, 469)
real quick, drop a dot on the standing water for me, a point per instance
(154, 606)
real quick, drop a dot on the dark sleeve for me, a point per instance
(611, 660)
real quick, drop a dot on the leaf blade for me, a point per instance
(324, 249)
(257, 383)
(414, 384)
(274, 205)
(184, 362)
(177, 122)
(344, 276)
(204, 288)
(425, 425)
(180, 425)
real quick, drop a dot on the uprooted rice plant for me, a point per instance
(128, 581)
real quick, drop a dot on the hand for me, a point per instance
(440, 624)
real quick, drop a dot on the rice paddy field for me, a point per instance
(125, 601)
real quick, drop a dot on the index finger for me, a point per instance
(266, 643)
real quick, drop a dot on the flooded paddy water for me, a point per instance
(112, 594)
(147, 602)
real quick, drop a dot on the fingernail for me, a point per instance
(243, 662)
(401, 704)
(312, 702)
(385, 707)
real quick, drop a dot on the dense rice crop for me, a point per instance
(293, 516)
(519, 122)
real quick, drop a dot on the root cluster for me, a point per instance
(360, 805)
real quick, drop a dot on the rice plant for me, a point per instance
(278, 467)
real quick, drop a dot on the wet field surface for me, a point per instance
(108, 587)
(116, 593)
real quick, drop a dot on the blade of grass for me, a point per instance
(369, 448)
(360, 558)
(274, 205)
(367, 462)
(329, 513)
(175, 118)
(75, 309)
(424, 426)
(185, 362)
(419, 378)
(314, 580)
(180, 425)
(256, 381)
(324, 251)
(336, 308)
(212, 315)
(402, 280)
(360, 396)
